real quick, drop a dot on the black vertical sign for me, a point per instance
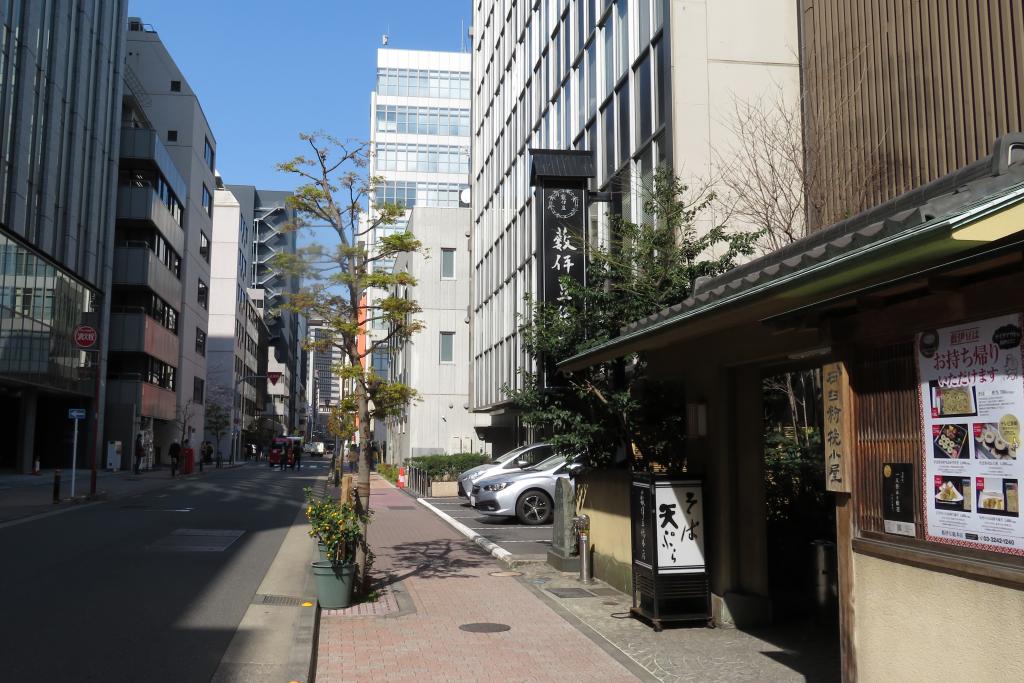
(644, 540)
(561, 248)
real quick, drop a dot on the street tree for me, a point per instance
(616, 407)
(218, 417)
(349, 284)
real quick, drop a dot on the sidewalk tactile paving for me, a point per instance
(385, 604)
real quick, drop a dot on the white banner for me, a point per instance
(679, 526)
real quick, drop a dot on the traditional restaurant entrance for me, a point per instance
(912, 312)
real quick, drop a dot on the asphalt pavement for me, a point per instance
(149, 587)
(524, 542)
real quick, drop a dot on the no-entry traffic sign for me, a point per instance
(86, 336)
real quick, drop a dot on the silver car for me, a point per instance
(512, 461)
(527, 494)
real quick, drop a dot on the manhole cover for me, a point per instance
(506, 573)
(401, 507)
(485, 627)
(570, 592)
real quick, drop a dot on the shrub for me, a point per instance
(389, 472)
(448, 467)
(338, 526)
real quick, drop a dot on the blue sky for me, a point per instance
(265, 70)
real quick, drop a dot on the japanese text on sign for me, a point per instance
(836, 436)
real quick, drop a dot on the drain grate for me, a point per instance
(570, 592)
(401, 507)
(197, 540)
(279, 600)
(485, 627)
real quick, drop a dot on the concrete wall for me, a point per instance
(914, 624)
(604, 495)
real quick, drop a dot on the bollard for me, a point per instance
(586, 574)
(56, 486)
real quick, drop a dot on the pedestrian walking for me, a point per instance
(175, 452)
(298, 456)
(140, 453)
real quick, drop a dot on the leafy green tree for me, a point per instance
(218, 417)
(338, 279)
(644, 268)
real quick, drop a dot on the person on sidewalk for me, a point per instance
(298, 455)
(140, 453)
(175, 452)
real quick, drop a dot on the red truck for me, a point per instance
(281, 448)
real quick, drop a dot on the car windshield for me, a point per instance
(505, 457)
(548, 463)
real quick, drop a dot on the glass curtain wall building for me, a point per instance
(419, 135)
(60, 104)
(640, 84)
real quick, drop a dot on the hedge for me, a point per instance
(448, 467)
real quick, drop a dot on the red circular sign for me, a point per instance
(85, 336)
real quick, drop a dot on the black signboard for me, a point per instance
(898, 498)
(561, 243)
(643, 539)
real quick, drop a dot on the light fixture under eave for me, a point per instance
(810, 353)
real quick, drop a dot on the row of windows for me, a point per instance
(422, 120)
(156, 181)
(127, 236)
(416, 83)
(128, 298)
(148, 368)
(410, 194)
(422, 158)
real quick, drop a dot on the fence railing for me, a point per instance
(417, 481)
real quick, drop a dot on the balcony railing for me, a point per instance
(133, 331)
(136, 264)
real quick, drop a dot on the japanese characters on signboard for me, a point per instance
(642, 543)
(561, 244)
(972, 399)
(837, 462)
(898, 498)
(679, 526)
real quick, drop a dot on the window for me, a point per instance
(447, 347)
(381, 362)
(172, 136)
(198, 388)
(204, 246)
(423, 158)
(422, 120)
(417, 83)
(175, 86)
(200, 342)
(207, 201)
(447, 264)
(410, 194)
(203, 294)
(208, 153)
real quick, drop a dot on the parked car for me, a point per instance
(527, 494)
(513, 460)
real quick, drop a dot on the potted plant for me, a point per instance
(338, 529)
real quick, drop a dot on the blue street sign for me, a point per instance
(76, 413)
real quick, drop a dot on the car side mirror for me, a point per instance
(522, 463)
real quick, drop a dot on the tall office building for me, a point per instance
(435, 362)
(164, 226)
(232, 347)
(272, 218)
(419, 134)
(639, 84)
(60, 107)
(323, 385)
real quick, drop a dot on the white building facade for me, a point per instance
(435, 362)
(640, 84)
(419, 135)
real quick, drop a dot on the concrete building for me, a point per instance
(158, 373)
(233, 341)
(60, 108)
(270, 235)
(419, 134)
(323, 386)
(639, 84)
(435, 362)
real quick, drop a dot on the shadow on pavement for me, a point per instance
(437, 558)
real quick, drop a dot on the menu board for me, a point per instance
(972, 401)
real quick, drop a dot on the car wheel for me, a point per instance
(534, 507)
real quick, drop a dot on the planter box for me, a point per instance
(442, 489)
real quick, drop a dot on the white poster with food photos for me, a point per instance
(972, 401)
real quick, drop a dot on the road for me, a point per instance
(143, 588)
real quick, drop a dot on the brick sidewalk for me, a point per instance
(448, 583)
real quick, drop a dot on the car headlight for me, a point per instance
(496, 487)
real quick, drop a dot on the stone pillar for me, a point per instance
(562, 555)
(27, 430)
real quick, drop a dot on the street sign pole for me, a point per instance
(74, 460)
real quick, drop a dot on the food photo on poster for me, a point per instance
(952, 493)
(950, 440)
(972, 397)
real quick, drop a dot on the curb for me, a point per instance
(495, 551)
